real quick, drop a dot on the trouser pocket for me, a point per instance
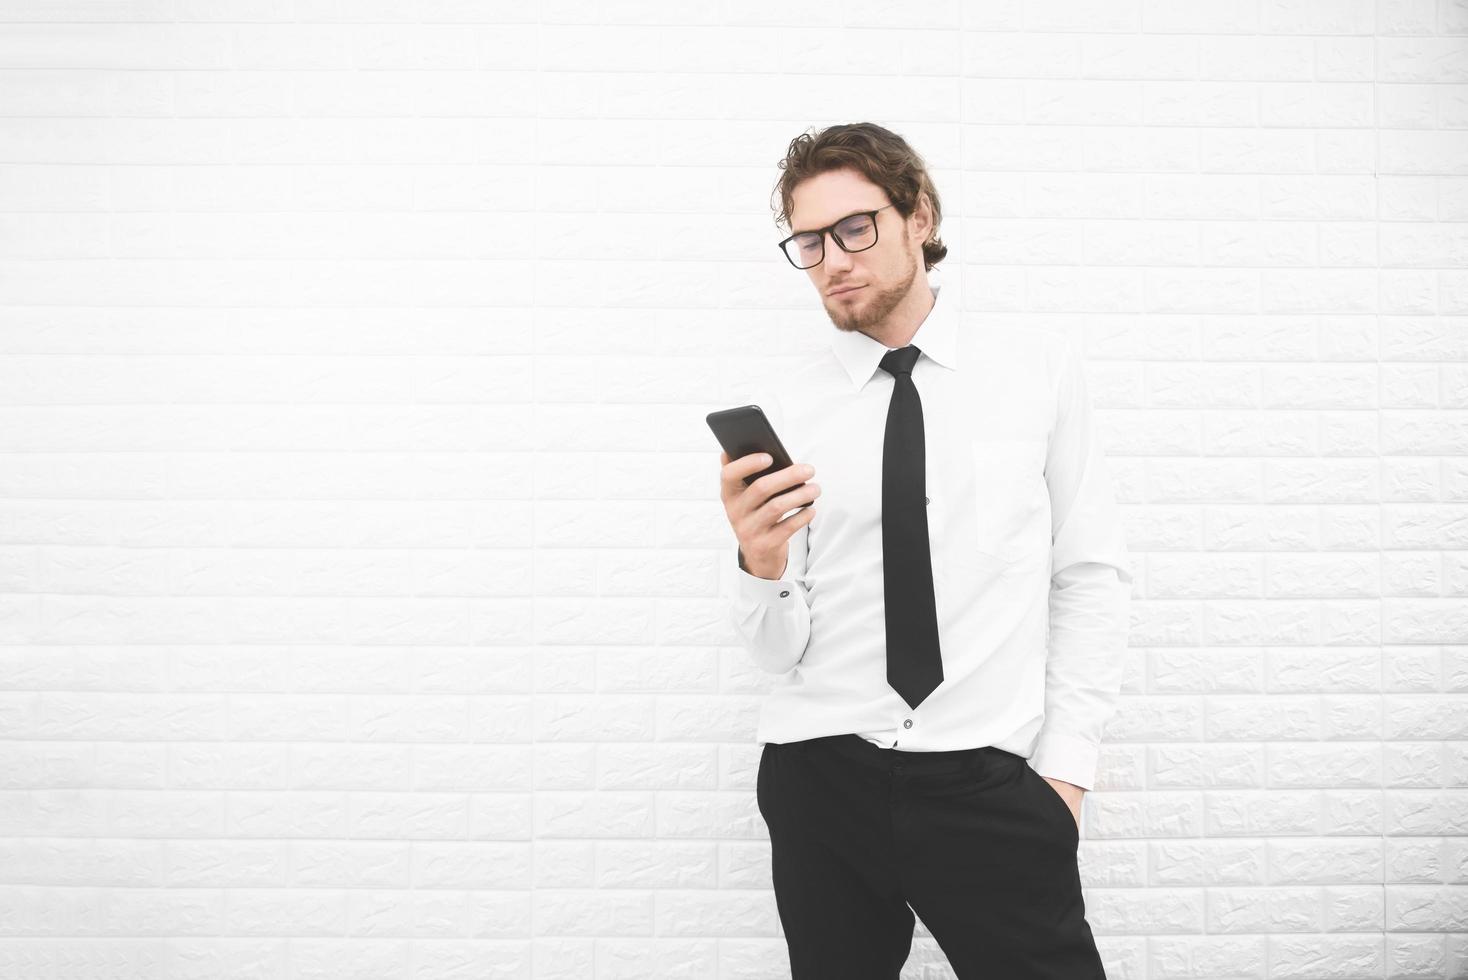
(762, 790)
(1054, 804)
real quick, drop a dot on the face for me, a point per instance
(885, 273)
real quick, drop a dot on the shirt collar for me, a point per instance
(936, 338)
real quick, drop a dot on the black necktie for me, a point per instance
(914, 665)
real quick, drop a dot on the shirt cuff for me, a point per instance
(1068, 758)
(765, 590)
(770, 592)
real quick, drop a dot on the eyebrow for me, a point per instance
(802, 231)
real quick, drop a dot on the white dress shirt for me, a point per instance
(1031, 573)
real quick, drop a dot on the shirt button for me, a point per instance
(926, 500)
(784, 593)
(907, 723)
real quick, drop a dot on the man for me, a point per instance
(948, 616)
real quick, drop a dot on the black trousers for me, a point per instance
(975, 841)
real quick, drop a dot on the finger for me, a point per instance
(790, 525)
(756, 461)
(734, 473)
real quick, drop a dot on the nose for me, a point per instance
(836, 257)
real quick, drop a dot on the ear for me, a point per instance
(925, 212)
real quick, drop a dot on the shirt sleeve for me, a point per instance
(772, 616)
(1090, 588)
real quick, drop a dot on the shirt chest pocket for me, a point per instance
(1010, 499)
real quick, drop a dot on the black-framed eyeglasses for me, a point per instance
(854, 233)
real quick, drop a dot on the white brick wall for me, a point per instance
(359, 539)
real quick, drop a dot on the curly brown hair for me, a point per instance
(878, 153)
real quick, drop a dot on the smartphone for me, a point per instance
(746, 430)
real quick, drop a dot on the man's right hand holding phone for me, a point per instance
(754, 509)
